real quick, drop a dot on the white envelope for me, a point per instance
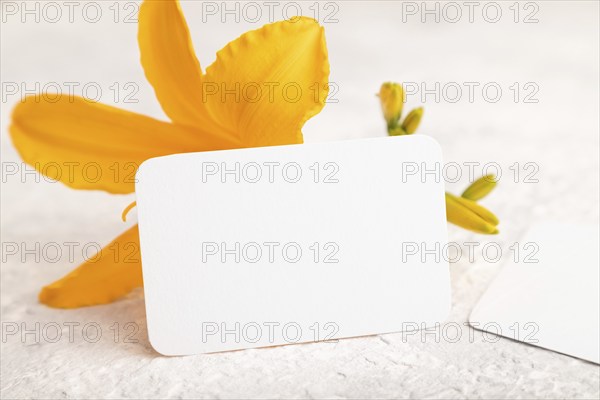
(289, 244)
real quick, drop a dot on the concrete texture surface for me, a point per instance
(103, 352)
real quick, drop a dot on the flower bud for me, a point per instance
(391, 96)
(412, 120)
(470, 215)
(480, 188)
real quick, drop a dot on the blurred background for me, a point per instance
(510, 88)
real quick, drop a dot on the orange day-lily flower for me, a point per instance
(75, 130)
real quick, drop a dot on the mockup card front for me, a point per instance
(291, 244)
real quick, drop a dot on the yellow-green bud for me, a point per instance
(412, 120)
(391, 96)
(480, 188)
(470, 215)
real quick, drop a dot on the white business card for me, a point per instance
(547, 294)
(290, 244)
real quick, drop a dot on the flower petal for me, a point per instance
(93, 146)
(170, 64)
(112, 273)
(267, 83)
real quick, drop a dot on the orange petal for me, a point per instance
(93, 146)
(267, 83)
(170, 64)
(111, 274)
